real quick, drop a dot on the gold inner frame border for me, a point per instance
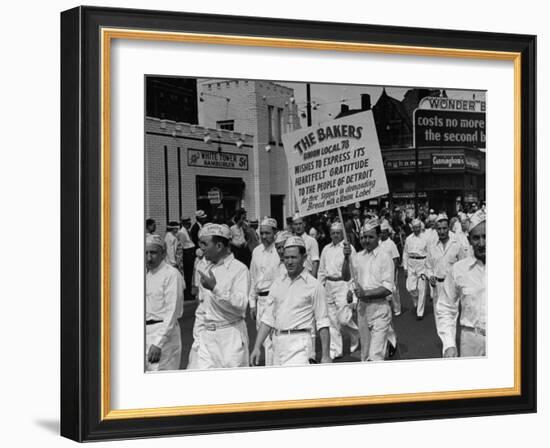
(107, 35)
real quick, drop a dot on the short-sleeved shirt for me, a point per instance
(185, 239)
(374, 269)
(441, 258)
(332, 259)
(389, 247)
(312, 250)
(298, 303)
(263, 260)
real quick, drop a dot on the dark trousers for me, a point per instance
(188, 263)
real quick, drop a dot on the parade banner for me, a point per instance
(335, 163)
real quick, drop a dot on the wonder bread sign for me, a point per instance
(335, 163)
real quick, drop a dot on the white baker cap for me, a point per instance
(416, 222)
(442, 217)
(154, 240)
(270, 222)
(216, 230)
(294, 241)
(336, 225)
(385, 225)
(477, 218)
(282, 236)
(370, 224)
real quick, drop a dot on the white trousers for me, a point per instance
(472, 344)
(223, 347)
(291, 349)
(261, 304)
(416, 285)
(198, 328)
(340, 317)
(170, 355)
(396, 297)
(374, 319)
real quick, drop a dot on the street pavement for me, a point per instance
(416, 339)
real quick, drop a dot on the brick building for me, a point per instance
(234, 158)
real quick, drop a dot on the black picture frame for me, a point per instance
(81, 224)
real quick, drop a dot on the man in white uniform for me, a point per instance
(330, 276)
(441, 257)
(224, 288)
(414, 262)
(164, 287)
(198, 327)
(388, 246)
(171, 243)
(374, 274)
(312, 247)
(296, 303)
(265, 258)
(462, 236)
(466, 285)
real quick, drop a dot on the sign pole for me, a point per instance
(343, 226)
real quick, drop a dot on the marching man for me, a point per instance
(441, 257)
(414, 262)
(465, 284)
(374, 274)
(223, 289)
(312, 247)
(164, 287)
(330, 276)
(265, 259)
(296, 303)
(387, 245)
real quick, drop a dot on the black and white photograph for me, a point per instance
(293, 223)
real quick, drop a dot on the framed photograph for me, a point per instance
(275, 223)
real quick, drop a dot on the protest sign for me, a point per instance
(335, 163)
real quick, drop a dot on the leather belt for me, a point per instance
(334, 279)
(153, 322)
(295, 330)
(475, 330)
(218, 326)
(263, 293)
(414, 257)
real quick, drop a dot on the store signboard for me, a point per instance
(447, 162)
(217, 159)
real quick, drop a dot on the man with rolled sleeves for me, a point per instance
(164, 287)
(264, 259)
(414, 262)
(171, 243)
(441, 257)
(312, 247)
(373, 285)
(465, 285)
(296, 303)
(224, 288)
(330, 276)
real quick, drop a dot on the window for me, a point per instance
(228, 125)
(270, 124)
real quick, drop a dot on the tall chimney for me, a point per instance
(344, 108)
(365, 101)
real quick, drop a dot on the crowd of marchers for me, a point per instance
(312, 284)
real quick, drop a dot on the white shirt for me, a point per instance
(264, 259)
(465, 284)
(184, 238)
(296, 304)
(332, 259)
(389, 247)
(228, 300)
(237, 236)
(414, 245)
(441, 258)
(312, 250)
(462, 239)
(374, 269)
(164, 287)
(430, 235)
(171, 245)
